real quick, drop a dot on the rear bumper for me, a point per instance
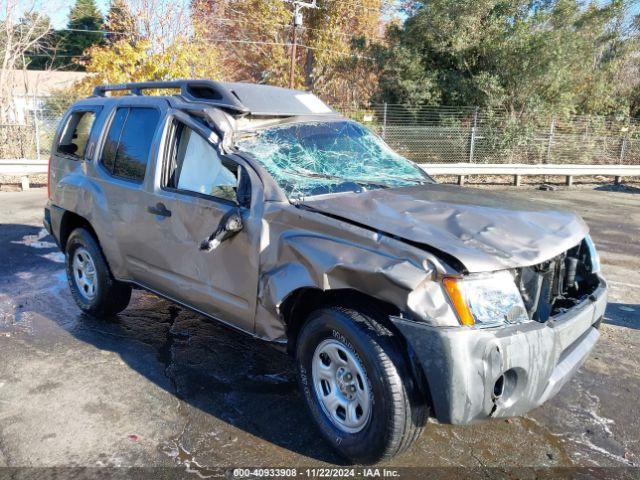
(46, 220)
(465, 368)
(51, 220)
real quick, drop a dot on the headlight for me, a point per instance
(487, 300)
(593, 254)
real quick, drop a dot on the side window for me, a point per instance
(113, 138)
(128, 144)
(75, 135)
(196, 167)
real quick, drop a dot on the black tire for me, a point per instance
(398, 413)
(111, 296)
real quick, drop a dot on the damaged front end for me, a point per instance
(559, 284)
(523, 357)
(498, 299)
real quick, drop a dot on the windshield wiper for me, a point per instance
(357, 181)
(311, 174)
(342, 180)
(404, 179)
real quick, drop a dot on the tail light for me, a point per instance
(49, 177)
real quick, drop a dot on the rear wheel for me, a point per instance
(92, 286)
(357, 386)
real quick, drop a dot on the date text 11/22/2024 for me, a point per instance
(316, 472)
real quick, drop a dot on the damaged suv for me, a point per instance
(264, 209)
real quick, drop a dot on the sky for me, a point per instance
(60, 16)
(57, 10)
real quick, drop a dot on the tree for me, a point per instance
(255, 37)
(40, 55)
(84, 29)
(120, 23)
(337, 35)
(157, 48)
(252, 36)
(18, 37)
(518, 55)
(123, 62)
(161, 22)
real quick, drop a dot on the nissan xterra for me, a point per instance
(263, 208)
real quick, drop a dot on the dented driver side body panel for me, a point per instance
(305, 249)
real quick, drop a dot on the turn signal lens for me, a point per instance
(453, 286)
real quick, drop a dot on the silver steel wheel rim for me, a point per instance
(341, 386)
(84, 273)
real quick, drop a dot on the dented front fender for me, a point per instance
(325, 254)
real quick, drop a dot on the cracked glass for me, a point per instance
(316, 158)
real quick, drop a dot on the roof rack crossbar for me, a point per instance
(221, 95)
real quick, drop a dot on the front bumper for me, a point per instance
(507, 371)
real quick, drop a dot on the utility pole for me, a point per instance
(297, 22)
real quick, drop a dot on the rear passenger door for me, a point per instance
(129, 145)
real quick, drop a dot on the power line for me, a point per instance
(282, 25)
(54, 56)
(248, 42)
(215, 20)
(288, 44)
(344, 2)
(87, 31)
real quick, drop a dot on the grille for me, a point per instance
(558, 284)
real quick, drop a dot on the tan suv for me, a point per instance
(264, 209)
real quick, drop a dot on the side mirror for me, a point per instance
(233, 222)
(230, 224)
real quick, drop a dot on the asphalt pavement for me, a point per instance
(160, 386)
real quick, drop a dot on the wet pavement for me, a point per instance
(161, 386)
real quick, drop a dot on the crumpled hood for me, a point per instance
(482, 230)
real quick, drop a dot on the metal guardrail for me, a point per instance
(462, 170)
(23, 168)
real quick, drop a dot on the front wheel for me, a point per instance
(356, 384)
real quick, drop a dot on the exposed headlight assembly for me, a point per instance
(593, 254)
(484, 301)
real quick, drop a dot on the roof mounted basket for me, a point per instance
(207, 91)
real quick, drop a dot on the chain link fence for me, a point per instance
(31, 139)
(475, 135)
(435, 135)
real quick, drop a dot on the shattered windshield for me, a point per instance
(316, 158)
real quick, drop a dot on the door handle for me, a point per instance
(160, 209)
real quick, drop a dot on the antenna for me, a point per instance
(297, 22)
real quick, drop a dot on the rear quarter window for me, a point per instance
(75, 134)
(128, 144)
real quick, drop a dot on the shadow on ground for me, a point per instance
(227, 374)
(623, 315)
(618, 188)
(224, 375)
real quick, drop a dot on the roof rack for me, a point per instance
(243, 98)
(208, 91)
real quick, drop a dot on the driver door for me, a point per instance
(195, 188)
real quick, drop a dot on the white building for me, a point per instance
(31, 87)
